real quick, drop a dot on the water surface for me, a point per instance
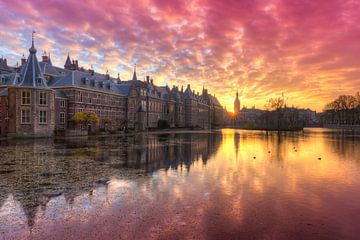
(227, 184)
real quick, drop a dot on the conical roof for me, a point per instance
(31, 76)
(68, 61)
(134, 78)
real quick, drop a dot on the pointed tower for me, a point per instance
(118, 79)
(134, 78)
(31, 76)
(32, 111)
(68, 62)
(237, 104)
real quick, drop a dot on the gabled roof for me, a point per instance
(123, 88)
(188, 94)
(164, 92)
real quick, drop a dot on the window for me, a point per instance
(81, 97)
(62, 103)
(43, 117)
(43, 99)
(25, 98)
(62, 117)
(25, 116)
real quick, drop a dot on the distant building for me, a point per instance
(237, 104)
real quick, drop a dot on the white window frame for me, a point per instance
(43, 119)
(62, 118)
(43, 98)
(25, 100)
(28, 117)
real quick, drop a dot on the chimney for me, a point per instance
(23, 61)
(45, 58)
(147, 79)
(152, 82)
(182, 88)
(91, 71)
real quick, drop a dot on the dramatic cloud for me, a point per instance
(308, 50)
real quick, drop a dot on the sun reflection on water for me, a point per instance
(224, 183)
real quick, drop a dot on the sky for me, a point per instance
(305, 49)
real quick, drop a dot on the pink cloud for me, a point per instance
(264, 47)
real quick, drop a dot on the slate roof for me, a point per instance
(90, 81)
(188, 94)
(47, 68)
(214, 100)
(123, 88)
(4, 66)
(31, 75)
(164, 92)
(9, 79)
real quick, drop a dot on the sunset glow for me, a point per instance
(308, 50)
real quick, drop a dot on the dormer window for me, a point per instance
(84, 80)
(101, 84)
(3, 80)
(38, 81)
(18, 79)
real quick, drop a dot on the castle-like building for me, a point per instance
(37, 98)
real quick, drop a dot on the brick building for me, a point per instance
(37, 98)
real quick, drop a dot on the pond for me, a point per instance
(221, 184)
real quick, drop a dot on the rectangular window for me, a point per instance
(43, 117)
(25, 116)
(25, 98)
(62, 103)
(81, 97)
(62, 117)
(42, 98)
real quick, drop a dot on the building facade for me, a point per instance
(38, 98)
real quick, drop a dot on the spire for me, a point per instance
(32, 49)
(68, 61)
(118, 78)
(134, 75)
(31, 76)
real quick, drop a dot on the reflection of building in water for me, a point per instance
(34, 172)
